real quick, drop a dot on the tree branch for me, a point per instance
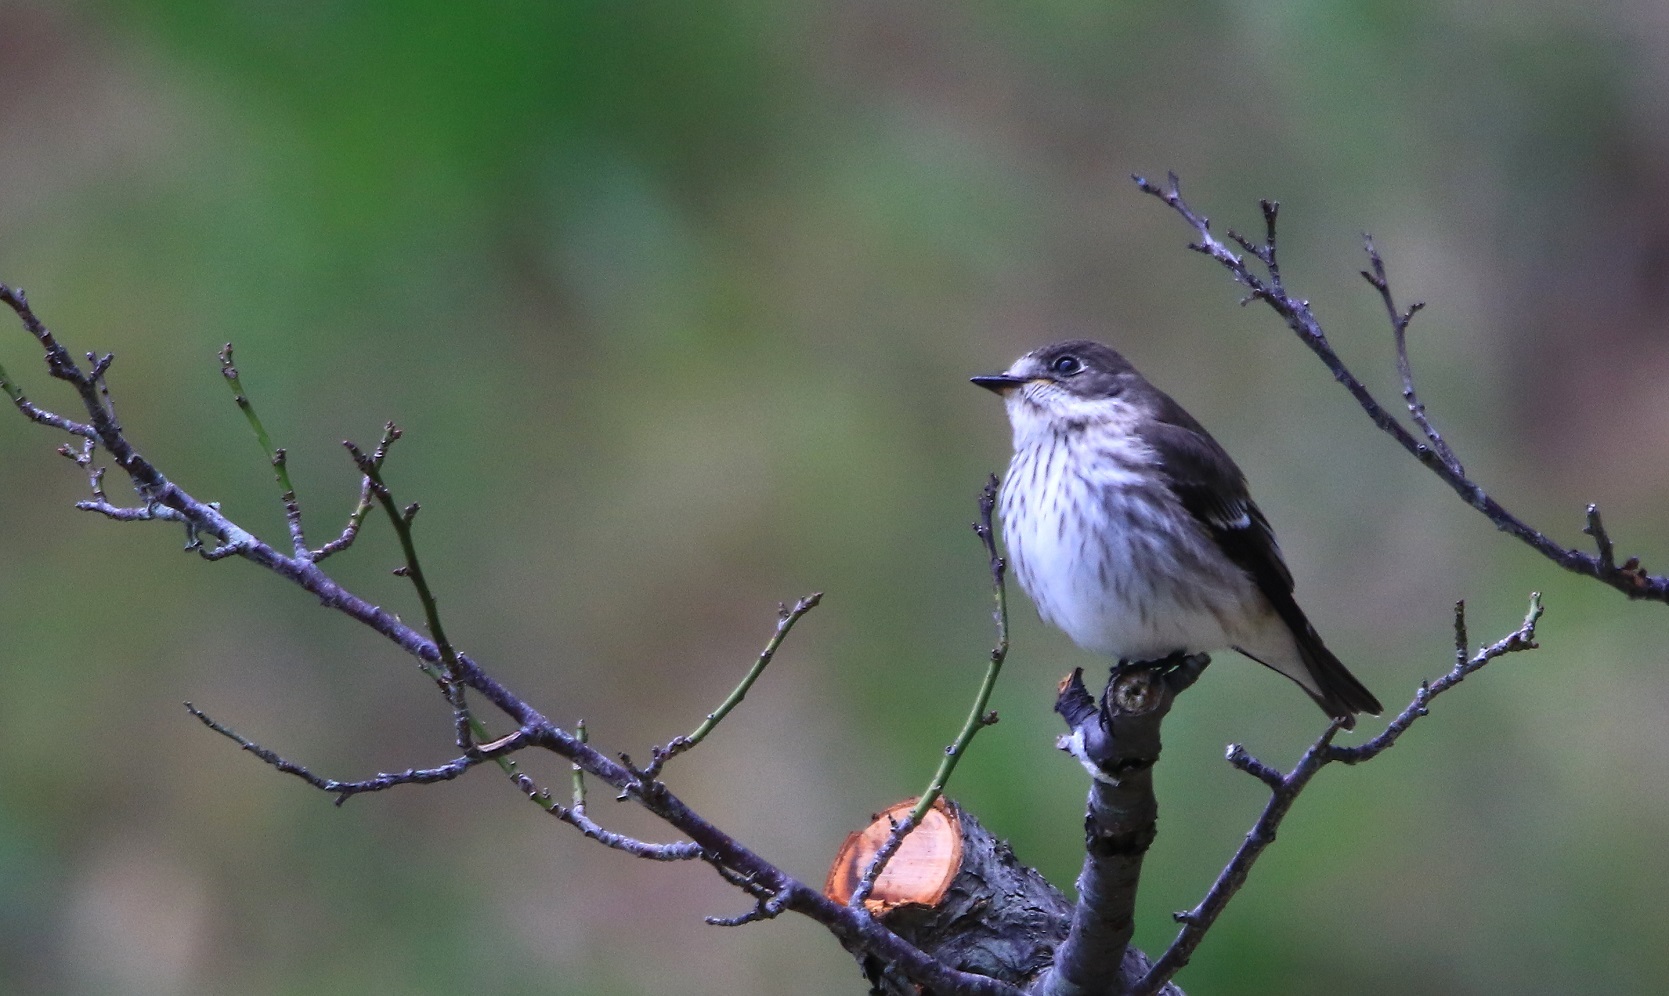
(1434, 453)
(385, 780)
(1118, 742)
(163, 499)
(1285, 789)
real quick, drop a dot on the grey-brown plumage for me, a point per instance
(1132, 529)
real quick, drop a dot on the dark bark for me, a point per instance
(998, 918)
(1117, 740)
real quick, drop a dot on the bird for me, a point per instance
(1132, 529)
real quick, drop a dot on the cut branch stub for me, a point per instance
(919, 873)
(959, 894)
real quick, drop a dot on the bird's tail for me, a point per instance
(1336, 690)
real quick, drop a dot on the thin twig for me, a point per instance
(786, 618)
(275, 454)
(201, 518)
(1602, 539)
(767, 908)
(1399, 334)
(356, 518)
(577, 775)
(1522, 638)
(367, 495)
(401, 519)
(343, 790)
(469, 730)
(15, 299)
(575, 816)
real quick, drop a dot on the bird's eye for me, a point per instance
(1067, 365)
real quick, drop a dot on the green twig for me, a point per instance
(786, 618)
(12, 390)
(448, 674)
(275, 454)
(579, 773)
(401, 519)
(978, 717)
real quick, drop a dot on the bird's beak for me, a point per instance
(999, 383)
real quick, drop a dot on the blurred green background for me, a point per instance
(676, 303)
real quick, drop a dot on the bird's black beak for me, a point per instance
(999, 383)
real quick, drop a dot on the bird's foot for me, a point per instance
(1178, 669)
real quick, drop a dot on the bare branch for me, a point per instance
(163, 499)
(1602, 539)
(383, 780)
(1630, 578)
(576, 817)
(362, 508)
(1239, 758)
(355, 519)
(1522, 638)
(15, 299)
(1285, 789)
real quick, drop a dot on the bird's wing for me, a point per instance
(1213, 490)
(1211, 487)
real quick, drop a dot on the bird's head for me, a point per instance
(1068, 385)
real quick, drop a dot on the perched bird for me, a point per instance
(1132, 530)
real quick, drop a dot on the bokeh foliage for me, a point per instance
(676, 302)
